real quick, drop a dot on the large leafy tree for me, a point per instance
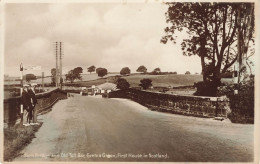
(156, 71)
(91, 69)
(145, 83)
(141, 69)
(98, 69)
(122, 84)
(125, 71)
(102, 72)
(53, 75)
(74, 74)
(213, 32)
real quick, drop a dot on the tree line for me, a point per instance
(75, 74)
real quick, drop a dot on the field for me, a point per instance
(170, 80)
(157, 80)
(85, 77)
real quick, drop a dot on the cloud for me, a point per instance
(105, 35)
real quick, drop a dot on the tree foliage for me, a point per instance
(98, 69)
(187, 73)
(213, 32)
(74, 74)
(122, 84)
(53, 75)
(156, 71)
(102, 72)
(125, 71)
(141, 69)
(145, 83)
(29, 77)
(91, 69)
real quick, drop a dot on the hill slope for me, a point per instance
(164, 80)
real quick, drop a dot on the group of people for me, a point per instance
(29, 102)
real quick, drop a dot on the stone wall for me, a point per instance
(180, 104)
(46, 100)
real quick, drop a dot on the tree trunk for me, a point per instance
(203, 68)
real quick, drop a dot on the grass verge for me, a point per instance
(16, 138)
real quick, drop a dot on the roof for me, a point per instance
(107, 86)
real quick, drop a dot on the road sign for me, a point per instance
(32, 67)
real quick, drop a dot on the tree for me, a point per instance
(29, 77)
(114, 79)
(125, 71)
(122, 84)
(74, 74)
(145, 83)
(141, 69)
(102, 72)
(156, 71)
(98, 69)
(91, 69)
(53, 75)
(77, 70)
(187, 73)
(213, 30)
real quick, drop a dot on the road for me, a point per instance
(96, 129)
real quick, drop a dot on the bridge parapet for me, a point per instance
(45, 101)
(179, 104)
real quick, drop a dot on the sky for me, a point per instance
(112, 36)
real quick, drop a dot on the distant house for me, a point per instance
(105, 88)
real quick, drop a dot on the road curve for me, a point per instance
(96, 129)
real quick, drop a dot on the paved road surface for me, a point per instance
(96, 129)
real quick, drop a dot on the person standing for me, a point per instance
(27, 106)
(33, 102)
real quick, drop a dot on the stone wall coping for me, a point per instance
(191, 96)
(38, 95)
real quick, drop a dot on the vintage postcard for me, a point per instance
(121, 81)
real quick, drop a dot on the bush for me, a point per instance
(145, 83)
(122, 84)
(241, 104)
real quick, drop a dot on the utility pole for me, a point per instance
(57, 70)
(60, 70)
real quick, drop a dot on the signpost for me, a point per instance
(22, 68)
(21, 91)
(33, 67)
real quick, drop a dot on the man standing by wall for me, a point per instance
(33, 113)
(26, 101)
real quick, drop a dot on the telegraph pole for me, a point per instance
(61, 55)
(57, 70)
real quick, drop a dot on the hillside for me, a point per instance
(165, 80)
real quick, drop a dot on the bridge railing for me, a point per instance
(180, 104)
(45, 101)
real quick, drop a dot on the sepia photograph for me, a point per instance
(120, 81)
